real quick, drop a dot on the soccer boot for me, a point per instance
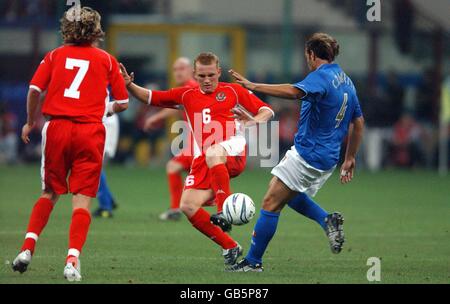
(170, 215)
(245, 266)
(72, 271)
(334, 230)
(103, 213)
(231, 255)
(22, 261)
(219, 220)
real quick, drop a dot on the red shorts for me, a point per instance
(184, 159)
(73, 150)
(200, 178)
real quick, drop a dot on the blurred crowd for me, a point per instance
(23, 11)
(402, 127)
(401, 131)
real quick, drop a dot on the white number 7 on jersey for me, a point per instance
(73, 92)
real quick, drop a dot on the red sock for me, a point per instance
(38, 219)
(175, 188)
(220, 183)
(81, 219)
(201, 222)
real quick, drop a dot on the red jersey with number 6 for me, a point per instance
(209, 115)
(76, 79)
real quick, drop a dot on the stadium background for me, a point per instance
(400, 67)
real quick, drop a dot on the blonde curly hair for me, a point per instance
(81, 25)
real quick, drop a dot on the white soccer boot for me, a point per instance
(72, 271)
(22, 261)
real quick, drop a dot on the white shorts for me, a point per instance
(298, 175)
(235, 145)
(112, 135)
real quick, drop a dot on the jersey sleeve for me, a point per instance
(41, 77)
(313, 86)
(250, 101)
(172, 98)
(357, 112)
(118, 88)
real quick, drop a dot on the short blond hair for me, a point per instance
(207, 58)
(81, 26)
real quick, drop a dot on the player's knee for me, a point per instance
(271, 203)
(173, 167)
(80, 201)
(215, 155)
(51, 196)
(186, 207)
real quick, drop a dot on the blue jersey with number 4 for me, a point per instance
(328, 108)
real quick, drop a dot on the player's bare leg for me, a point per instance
(38, 220)
(275, 199)
(192, 201)
(216, 159)
(175, 181)
(81, 219)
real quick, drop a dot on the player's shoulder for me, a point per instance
(99, 53)
(230, 85)
(53, 53)
(235, 87)
(186, 88)
(191, 84)
(323, 72)
(185, 91)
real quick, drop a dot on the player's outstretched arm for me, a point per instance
(33, 100)
(277, 90)
(354, 141)
(248, 120)
(138, 92)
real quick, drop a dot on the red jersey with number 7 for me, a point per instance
(76, 79)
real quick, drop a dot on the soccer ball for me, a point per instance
(238, 209)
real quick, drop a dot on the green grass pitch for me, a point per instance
(401, 217)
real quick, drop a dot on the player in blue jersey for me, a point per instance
(330, 111)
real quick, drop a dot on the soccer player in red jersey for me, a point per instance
(75, 78)
(218, 142)
(183, 74)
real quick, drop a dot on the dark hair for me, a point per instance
(323, 46)
(207, 58)
(81, 26)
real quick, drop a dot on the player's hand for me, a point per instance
(151, 123)
(347, 169)
(129, 78)
(242, 80)
(244, 118)
(26, 130)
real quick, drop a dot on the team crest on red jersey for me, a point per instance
(221, 96)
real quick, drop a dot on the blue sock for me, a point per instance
(104, 195)
(262, 234)
(303, 204)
